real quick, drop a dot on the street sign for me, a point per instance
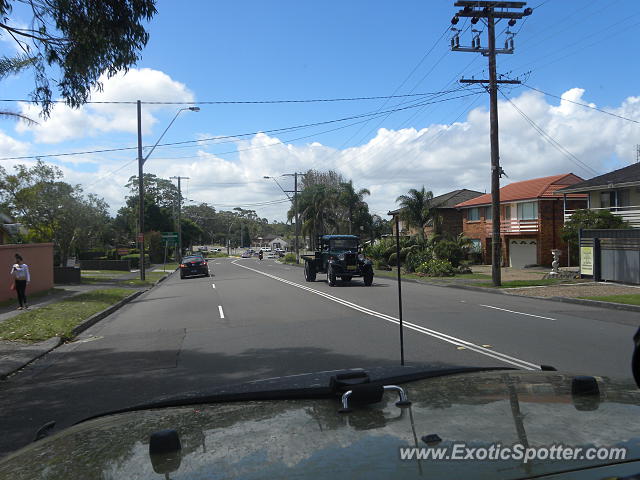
(140, 237)
(170, 235)
(170, 242)
(123, 251)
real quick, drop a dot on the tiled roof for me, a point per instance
(543, 187)
(627, 174)
(450, 199)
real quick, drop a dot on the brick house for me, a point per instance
(450, 216)
(531, 219)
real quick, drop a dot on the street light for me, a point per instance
(141, 161)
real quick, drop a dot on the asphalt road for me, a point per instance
(255, 320)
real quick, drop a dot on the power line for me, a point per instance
(554, 143)
(284, 129)
(235, 102)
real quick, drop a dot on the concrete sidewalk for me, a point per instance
(15, 355)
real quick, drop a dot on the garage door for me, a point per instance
(523, 252)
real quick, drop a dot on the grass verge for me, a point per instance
(60, 318)
(629, 299)
(150, 279)
(45, 293)
(526, 283)
(413, 276)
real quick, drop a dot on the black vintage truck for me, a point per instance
(338, 256)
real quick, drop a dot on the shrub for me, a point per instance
(217, 255)
(417, 257)
(436, 268)
(379, 249)
(135, 260)
(289, 258)
(381, 265)
(392, 259)
(448, 250)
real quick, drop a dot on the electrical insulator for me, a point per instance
(457, 41)
(511, 43)
(455, 20)
(475, 20)
(527, 12)
(453, 43)
(512, 22)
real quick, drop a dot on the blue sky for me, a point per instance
(204, 51)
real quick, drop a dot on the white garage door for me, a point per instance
(523, 252)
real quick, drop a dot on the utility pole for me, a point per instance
(295, 209)
(489, 11)
(179, 215)
(140, 192)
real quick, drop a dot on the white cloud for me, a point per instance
(90, 120)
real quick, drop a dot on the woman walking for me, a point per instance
(20, 273)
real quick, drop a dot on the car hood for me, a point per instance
(309, 438)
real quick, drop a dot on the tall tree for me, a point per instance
(82, 38)
(352, 201)
(417, 210)
(51, 209)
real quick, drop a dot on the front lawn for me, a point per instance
(629, 299)
(60, 318)
(394, 274)
(526, 283)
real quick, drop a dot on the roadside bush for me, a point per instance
(436, 268)
(378, 251)
(381, 265)
(135, 260)
(217, 255)
(289, 258)
(392, 259)
(417, 257)
(449, 250)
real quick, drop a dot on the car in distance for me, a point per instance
(246, 255)
(272, 255)
(193, 265)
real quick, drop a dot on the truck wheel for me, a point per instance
(368, 279)
(346, 278)
(309, 272)
(331, 277)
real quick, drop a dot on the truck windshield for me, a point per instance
(344, 244)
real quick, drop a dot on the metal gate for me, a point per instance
(615, 254)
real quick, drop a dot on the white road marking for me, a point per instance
(213, 285)
(412, 326)
(519, 313)
(220, 311)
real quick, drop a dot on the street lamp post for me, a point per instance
(141, 161)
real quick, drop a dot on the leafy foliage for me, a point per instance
(82, 38)
(436, 268)
(590, 219)
(52, 210)
(417, 210)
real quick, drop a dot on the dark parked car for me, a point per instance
(194, 265)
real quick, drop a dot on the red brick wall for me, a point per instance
(551, 213)
(481, 230)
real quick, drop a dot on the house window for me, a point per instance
(507, 212)
(624, 198)
(473, 214)
(488, 213)
(528, 211)
(607, 199)
(476, 246)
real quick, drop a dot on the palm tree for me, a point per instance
(351, 200)
(317, 206)
(417, 209)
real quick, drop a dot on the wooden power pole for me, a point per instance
(491, 12)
